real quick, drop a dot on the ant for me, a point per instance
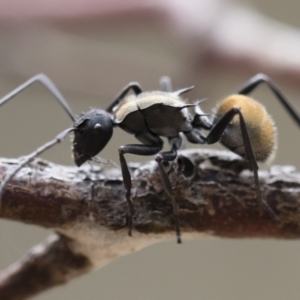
(238, 122)
(147, 115)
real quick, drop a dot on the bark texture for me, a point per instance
(87, 209)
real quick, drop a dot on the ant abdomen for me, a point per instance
(260, 126)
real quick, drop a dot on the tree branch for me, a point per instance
(51, 263)
(88, 210)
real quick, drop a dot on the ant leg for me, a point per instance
(30, 157)
(166, 84)
(132, 85)
(146, 150)
(215, 135)
(171, 155)
(254, 81)
(42, 78)
(195, 136)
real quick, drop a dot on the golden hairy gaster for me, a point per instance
(260, 125)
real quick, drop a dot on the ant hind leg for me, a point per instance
(215, 135)
(256, 80)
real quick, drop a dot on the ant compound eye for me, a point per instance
(97, 128)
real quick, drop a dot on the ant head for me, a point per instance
(93, 130)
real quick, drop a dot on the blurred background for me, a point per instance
(91, 49)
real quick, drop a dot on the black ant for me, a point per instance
(147, 115)
(150, 115)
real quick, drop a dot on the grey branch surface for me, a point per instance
(87, 209)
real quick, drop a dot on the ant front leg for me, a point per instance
(215, 135)
(138, 150)
(171, 155)
(43, 79)
(254, 81)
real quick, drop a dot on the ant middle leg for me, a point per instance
(166, 84)
(175, 143)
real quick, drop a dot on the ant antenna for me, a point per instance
(58, 139)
